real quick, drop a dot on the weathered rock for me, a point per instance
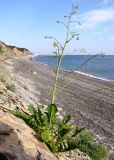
(20, 143)
(17, 140)
(73, 155)
(9, 100)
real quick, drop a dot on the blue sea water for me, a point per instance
(100, 66)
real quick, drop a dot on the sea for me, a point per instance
(95, 66)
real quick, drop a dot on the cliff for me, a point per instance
(7, 51)
(17, 140)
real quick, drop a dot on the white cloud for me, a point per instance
(93, 18)
(107, 1)
(112, 37)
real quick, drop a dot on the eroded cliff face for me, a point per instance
(7, 51)
(17, 140)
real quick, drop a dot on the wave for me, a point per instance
(78, 72)
(92, 76)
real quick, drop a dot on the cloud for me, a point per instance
(93, 18)
(107, 1)
(112, 37)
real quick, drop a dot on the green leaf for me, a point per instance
(77, 131)
(95, 151)
(86, 136)
(46, 136)
(68, 126)
(40, 116)
(32, 110)
(71, 145)
(66, 119)
(99, 152)
(53, 147)
(52, 110)
(46, 119)
(63, 132)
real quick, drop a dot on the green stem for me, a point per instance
(58, 65)
(56, 78)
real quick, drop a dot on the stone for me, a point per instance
(20, 142)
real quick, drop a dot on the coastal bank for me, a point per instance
(90, 101)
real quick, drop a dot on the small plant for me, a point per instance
(60, 135)
(1, 49)
(2, 78)
(11, 87)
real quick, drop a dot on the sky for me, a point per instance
(24, 23)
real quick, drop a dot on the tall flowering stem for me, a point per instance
(60, 48)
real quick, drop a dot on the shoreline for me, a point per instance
(76, 71)
(95, 77)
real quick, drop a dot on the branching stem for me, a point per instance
(59, 63)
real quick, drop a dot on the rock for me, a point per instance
(17, 140)
(9, 100)
(20, 143)
(73, 155)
